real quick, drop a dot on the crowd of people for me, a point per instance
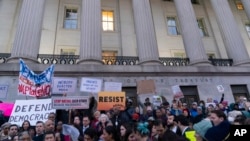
(199, 121)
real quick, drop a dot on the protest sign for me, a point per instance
(31, 110)
(177, 92)
(220, 89)
(108, 100)
(63, 85)
(36, 85)
(157, 100)
(112, 86)
(3, 91)
(91, 85)
(80, 102)
(6, 108)
(145, 86)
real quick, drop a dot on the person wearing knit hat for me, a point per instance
(4, 130)
(202, 127)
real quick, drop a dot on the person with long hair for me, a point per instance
(110, 134)
(125, 131)
(25, 126)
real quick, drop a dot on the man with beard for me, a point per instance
(164, 133)
(172, 124)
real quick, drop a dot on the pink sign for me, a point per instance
(6, 108)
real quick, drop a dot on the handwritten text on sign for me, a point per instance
(64, 85)
(3, 91)
(32, 110)
(70, 102)
(91, 85)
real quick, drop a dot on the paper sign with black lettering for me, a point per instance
(62, 85)
(91, 85)
(177, 92)
(113, 86)
(108, 100)
(74, 102)
(31, 110)
(3, 91)
(239, 132)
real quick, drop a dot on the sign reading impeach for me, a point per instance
(108, 100)
(31, 110)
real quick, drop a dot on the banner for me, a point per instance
(3, 91)
(113, 86)
(81, 102)
(36, 85)
(64, 85)
(91, 85)
(146, 87)
(31, 110)
(108, 100)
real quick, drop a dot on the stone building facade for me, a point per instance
(148, 31)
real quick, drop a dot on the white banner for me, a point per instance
(80, 102)
(3, 91)
(31, 110)
(63, 85)
(91, 85)
(113, 86)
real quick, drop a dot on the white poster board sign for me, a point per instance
(113, 86)
(74, 102)
(3, 91)
(91, 85)
(220, 89)
(31, 110)
(157, 100)
(63, 85)
(177, 92)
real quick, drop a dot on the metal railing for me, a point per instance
(116, 60)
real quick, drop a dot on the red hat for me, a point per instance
(135, 116)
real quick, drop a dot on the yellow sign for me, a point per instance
(108, 100)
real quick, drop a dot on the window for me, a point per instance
(248, 29)
(195, 1)
(239, 5)
(107, 20)
(210, 55)
(68, 52)
(180, 55)
(202, 27)
(172, 26)
(71, 19)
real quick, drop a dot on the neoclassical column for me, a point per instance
(232, 38)
(28, 34)
(145, 33)
(246, 4)
(90, 45)
(190, 33)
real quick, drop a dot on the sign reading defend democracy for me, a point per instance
(81, 102)
(91, 85)
(31, 110)
(64, 85)
(108, 100)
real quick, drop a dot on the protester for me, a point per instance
(220, 130)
